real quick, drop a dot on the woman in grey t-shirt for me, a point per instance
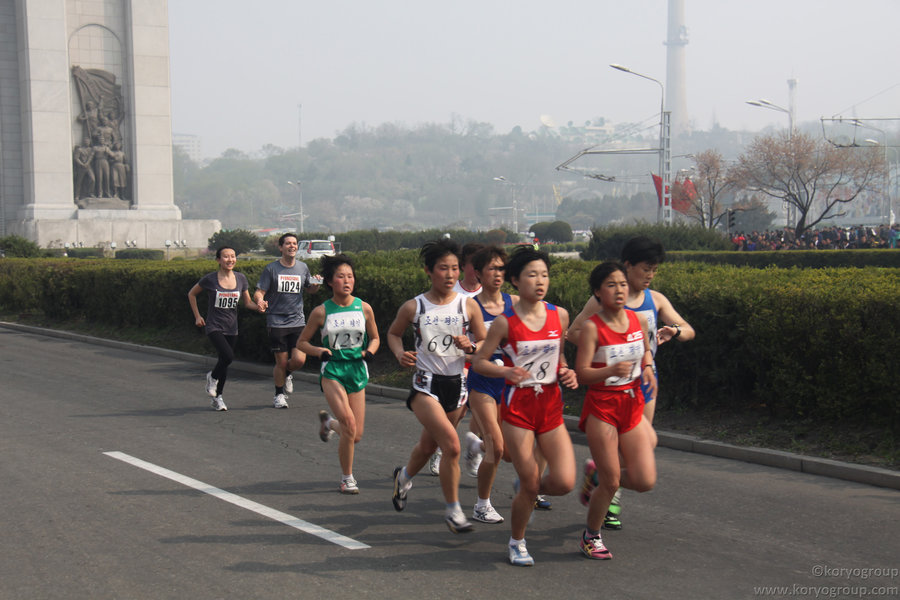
(224, 290)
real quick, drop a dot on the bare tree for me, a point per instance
(811, 175)
(709, 183)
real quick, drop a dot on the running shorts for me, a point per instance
(622, 409)
(449, 390)
(352, 374)
(529, 409)
(283, 339)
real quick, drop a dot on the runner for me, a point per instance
(441, 319)
(280, 293)
(469, 286)
(641, 257)
(225, 290)
(531, 335)
(485, 392)
(614, 359)
(349, 338)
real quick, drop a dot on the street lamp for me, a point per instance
(887, 177)
(515, 205)
(665, 150)
(763, 103)
(168, 244)
(300, 190)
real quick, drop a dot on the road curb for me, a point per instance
(687, 443)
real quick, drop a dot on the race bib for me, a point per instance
(540, 358)
(438, 332)
(290, 284)
(345, 330)
(227, 300)
(631, 351)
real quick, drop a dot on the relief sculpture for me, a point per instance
(100, 164)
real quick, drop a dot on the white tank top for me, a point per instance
(436, 325)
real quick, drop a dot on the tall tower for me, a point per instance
(676, 74)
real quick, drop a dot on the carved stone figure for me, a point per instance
(101, 160)
(83, 163)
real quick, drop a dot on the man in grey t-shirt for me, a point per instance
(280, 294)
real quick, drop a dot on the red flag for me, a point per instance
(657, 182)
(683, 196)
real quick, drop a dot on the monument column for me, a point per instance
(148, 22)
(45, 114)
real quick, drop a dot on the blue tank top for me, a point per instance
(488, 317)
(648, 309)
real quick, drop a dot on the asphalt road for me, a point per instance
(118, 481)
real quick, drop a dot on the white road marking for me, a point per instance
(277, 515)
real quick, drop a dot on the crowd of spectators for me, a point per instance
(828, 238)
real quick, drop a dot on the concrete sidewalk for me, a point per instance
(687, 443)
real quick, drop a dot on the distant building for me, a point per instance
(190, 144)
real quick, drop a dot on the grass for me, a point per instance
(752, 427)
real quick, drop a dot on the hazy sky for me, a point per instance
(240, 69)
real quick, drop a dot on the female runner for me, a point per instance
(485, 392)
(441, 318)
(614, 359)
(531, 335)
(349, 338)
(225, 289)
(641, 258)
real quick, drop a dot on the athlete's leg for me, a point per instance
(520, 445)
(603, 441)
(556, 447)
(639, 471)
(439, 431)
(484, 411)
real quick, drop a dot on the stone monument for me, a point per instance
(85, 125)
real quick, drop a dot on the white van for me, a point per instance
(311, 249)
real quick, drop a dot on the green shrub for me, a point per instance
(607, 242)
(140, 254)
(17, 246)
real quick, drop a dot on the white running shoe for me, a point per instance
(474, 454)
(457, 522)
(435, 464)
(349, 486)
(487, 515)
(211, 385)
(218, 403)
(518, 555)
(280, 401)
(289, 384)
(325, 432)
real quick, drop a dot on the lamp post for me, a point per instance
(168, 244)
(791, 216)
(887, 177)
(515, 205)
(665, 149)
(300, 190)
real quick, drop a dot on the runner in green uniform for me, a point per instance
(349, 337)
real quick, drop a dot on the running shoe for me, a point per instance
(594, 548)
(474, 454)
(541, 503)
(435, 464)
(589, 482)
(289, 384)
(611, 520)
(400, 491)
(218, 403)
(280, 401)
(518, 555)
(349, 486)
(211, 385)
(325, 432)
(487, 515)
(457, 522)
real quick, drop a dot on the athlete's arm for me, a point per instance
(591, 307)
(481, 361)
(564, 374)
(313, 324)
(668, 314)
(648, 377)
(404, 318)
(248, 301)
(587, 346)
(371, 329)
(192, 300)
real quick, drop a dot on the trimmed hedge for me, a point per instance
(817, 343)
(794, 258)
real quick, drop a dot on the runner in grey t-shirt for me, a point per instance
(280, 293)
